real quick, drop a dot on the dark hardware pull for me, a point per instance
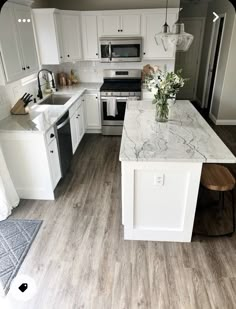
(23, 68)
(121, 30)
(52, 135)
(144, 53)
(118, 30)
(78, 115)
(96, 54)
(28, 67)
(96, 97)
(61, 57)
(68, 56)
(51, 151)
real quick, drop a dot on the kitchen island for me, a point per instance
(161, 170)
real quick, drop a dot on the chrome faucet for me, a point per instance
(40, 94)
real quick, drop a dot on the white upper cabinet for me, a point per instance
(151, 24)
(131, 24)
(27, 40)
(90, 37)
(48, 32)
(109, 25)
(122, 24)
(58, 35)
(71, 37)
(18, 48)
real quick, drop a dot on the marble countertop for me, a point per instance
(42, 117)
(186, 137)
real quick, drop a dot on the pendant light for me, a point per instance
(181, 39)
(163, 36)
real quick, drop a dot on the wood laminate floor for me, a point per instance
(79, 258)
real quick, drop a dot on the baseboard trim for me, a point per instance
(213, 118)
(93, 131)
(198, 101)
(222, 122)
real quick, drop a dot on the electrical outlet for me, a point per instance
(159, 180)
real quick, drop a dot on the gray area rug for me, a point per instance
(16, 237)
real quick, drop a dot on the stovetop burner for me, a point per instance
(132, 85)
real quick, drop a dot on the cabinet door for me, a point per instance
(71, 37)
(131, 24)
(27, 40)
(152, 24)
(10, 51)
(74, 132)
(93, 111)
(59, 42)
(90, 37)
(109, 25)
(81, 127)
(54, 162)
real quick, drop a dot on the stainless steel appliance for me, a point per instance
(119, 86)
(115, 49)
(64, 142)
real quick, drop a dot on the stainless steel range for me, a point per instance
(119, 86)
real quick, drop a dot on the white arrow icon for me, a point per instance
(216, 17)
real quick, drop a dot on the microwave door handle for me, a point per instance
(110, 55)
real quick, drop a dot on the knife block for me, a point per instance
(19, 109)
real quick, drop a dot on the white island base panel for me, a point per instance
(159, 200)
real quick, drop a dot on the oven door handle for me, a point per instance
(110, 55)
(63, 123)
(121, 98)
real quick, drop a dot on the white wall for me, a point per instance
(90, 5)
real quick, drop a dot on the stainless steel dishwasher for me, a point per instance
(64, 142)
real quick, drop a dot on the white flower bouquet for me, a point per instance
(164, 86)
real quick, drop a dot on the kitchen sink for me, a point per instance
(56, 99)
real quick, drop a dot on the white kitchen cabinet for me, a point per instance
(32, 162)
(27, 39)
(18, 48)
(71, 38)
(92, 111)
(90, 37)
(77, 124)
(151, 24)
(131, 24)
(58, 35)
(122, 24)
(109, 25)
(48, 32)
(54, 162)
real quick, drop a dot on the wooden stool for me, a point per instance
(218, 178)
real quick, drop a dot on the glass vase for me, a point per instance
(162, 111)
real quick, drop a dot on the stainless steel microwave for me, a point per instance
(117, 49)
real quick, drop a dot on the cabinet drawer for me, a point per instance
(50, 135)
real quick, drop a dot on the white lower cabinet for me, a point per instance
(77, 123)
(92, 111)
(54, 162)
(33, 164)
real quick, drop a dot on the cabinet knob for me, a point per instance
(52, 135)
(78, 115)
(61, 57)
(28, 67)
(96, 54)
(121, 30)
(23, 68)
(144, 53)
(96, 97)
(51, 151)
(68, 56)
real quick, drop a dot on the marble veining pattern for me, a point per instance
(186, 137)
